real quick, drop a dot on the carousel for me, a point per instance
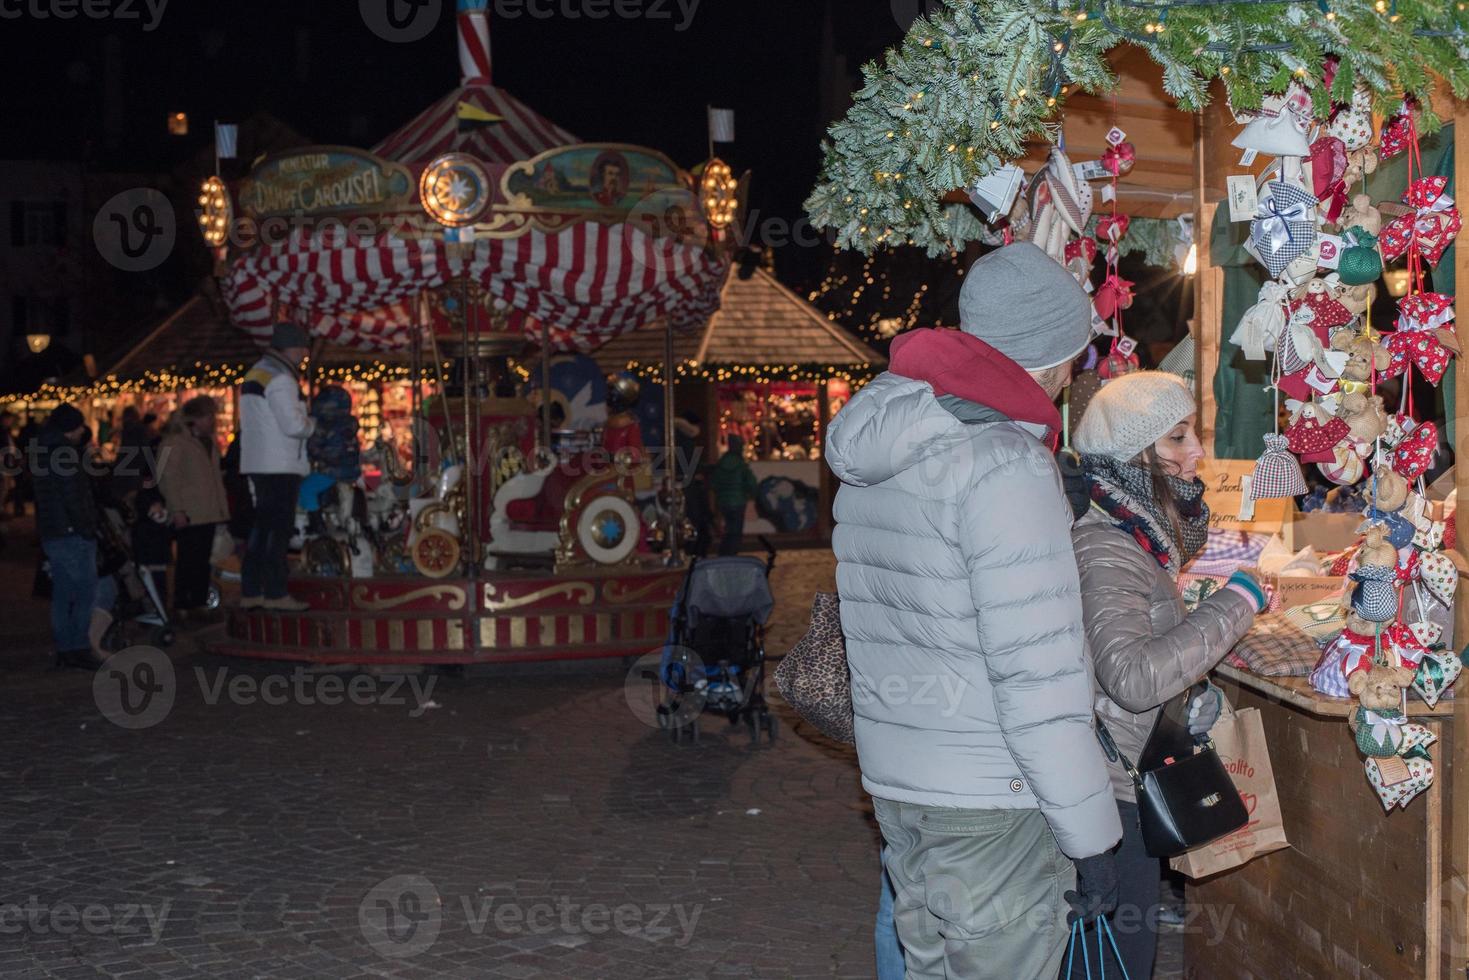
(509, 524)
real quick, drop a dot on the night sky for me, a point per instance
(321, 70)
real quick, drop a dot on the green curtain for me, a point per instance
(1241, 387)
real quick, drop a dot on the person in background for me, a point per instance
(24, 488)
(237, 488)
(733, 484)
(131, 470)
(193, 491)
(66, 520)
(954, 560)
(274, 427)
(1146, 518)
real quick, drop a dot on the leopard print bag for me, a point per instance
(813, 676)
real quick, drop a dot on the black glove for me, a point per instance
(1074, 482)
(1096, 888)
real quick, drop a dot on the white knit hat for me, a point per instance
(1131, 413)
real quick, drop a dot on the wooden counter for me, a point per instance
(1360, 893)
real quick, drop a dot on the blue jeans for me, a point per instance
(73, 563)
(885, 936)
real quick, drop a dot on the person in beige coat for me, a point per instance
(193, 491)
(1147, 517)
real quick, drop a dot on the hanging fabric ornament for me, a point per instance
(1396, 134)
(1352, 124)
(1114, 294)
(1343, 656)
(1436, 673)
(1423, 350)
(1116, 364)
(1328, 166)
(1320, 310)
(1260, 328)
(1360, 262)
(1047, 230)
(1398, 780)
(1414, 454)
(1284, 227)
(1118, 159)
(1399, 640)
(1277, 472)
(1431, 224)
(1398, 427)
(1425, 311)
(1315, 434)
(1280, 127)
(1111, 229)
(1348, 468)
(1081, 255)
(1439, 575)
(1071, 195)
(1400, 530)
(1375, 598)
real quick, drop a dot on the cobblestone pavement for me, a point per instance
(525, 825)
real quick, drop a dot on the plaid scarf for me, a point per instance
(1124, 492)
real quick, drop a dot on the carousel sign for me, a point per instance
(324, 180)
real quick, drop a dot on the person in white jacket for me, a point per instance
(961, 612)
(274, 426)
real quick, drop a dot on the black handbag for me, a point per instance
(1185, 797)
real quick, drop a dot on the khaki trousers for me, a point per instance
(978, 892)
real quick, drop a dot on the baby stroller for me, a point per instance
(714, 659)
(138, 608)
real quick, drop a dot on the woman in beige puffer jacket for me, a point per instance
(1146, 518)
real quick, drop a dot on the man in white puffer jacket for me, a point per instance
(274, 427)
(961, 610)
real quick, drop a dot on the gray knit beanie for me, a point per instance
(1022, 302)
(1131, 413)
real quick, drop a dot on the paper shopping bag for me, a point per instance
(1239, 739)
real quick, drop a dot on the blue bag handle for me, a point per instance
(1078, 938)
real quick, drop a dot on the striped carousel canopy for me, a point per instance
(586, 280)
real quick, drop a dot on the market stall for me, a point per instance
(1354, 674)
(771, 369)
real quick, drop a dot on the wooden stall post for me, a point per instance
(1455, 878)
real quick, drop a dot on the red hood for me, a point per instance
(957, 363)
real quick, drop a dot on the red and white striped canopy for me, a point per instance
(587, 283)
(435, 131)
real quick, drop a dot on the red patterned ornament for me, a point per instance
(1432, 224)
(1423, 350)
(1395, 136)
(1315, 441)
(1116, 364)
(1414, 455)
(1115, 294)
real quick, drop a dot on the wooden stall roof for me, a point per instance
(1162, 181)
(199, 333)
(759, 323)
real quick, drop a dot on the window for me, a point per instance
(37, 223)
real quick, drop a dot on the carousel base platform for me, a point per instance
(500, 617)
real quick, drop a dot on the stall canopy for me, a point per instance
(759, 323)
(198, 341)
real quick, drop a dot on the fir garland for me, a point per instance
(973, 82)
